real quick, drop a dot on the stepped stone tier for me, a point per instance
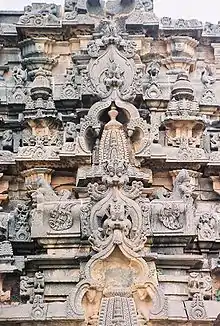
(109, 166)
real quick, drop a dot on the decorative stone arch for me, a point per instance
(137, 127)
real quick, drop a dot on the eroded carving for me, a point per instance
(208, 79)
(40, 14)
(177, 211)
(20, 223)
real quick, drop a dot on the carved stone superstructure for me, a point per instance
(109, 157)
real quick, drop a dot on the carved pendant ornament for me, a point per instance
(117, 226)
(113, 214)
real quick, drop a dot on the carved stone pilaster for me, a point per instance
(38, 53)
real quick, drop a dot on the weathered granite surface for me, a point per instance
(109, 166)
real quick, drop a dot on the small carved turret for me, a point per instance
(40, 104)
(183, 123)
(182, 88)
(41, 87)
(182, 102)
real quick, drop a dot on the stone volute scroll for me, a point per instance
(118, 284)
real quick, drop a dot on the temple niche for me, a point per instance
(109, 166)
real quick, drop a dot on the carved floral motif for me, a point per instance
(200, 283)
(61, 217)
(151, 87)
(40, 14)
(70, 88)
(111, 71)
(169, 23)
(197, 310)
(208, 79)
(211, 29)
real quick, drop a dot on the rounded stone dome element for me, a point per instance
(41, 87)
(110, 7)
(182, 88)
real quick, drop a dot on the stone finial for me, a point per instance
(41, 87)
(182, 88)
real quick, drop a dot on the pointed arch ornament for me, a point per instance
(120, 280)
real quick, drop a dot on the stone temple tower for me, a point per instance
(109, 166)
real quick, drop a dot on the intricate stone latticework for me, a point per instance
(109, 166)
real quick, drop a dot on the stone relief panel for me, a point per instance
(57, 214)
(175, 213)
(109, 181)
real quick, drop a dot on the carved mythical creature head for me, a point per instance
(182, 187)
(115, 172)
(153, 69)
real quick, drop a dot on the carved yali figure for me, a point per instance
(19, 75)
(208, 78)
(177, 211)
(55, 212)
